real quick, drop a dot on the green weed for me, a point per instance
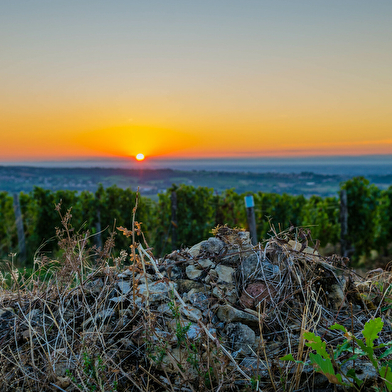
(330, 363)
(94, 370)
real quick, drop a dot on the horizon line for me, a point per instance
(132, 159)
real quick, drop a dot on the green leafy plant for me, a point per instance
(330, 363)
(254, 382)
(94, 370)
(181, 330)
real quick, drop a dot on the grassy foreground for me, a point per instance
(86, 322)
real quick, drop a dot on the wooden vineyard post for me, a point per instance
(343, 223)
(250, 215)
(98, 228)
(174, 223)
(20, 229)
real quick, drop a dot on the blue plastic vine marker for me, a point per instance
(249, 202)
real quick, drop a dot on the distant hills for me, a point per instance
(340, 165)
(153, 181)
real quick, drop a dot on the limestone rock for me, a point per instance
(191, 313)
(212, 276)
(158, 291)
(240, 337)
(212, 246)
(199, 300)
(295, 245)
(204, 263)
(364, 370)
(165, 309)
(185, 285)
(253, 268)
(225, 292)
(229, 314)
(95, 287)
(225, 274)
(194, 332)
(195, 250)
(124, 286)
(192, 272)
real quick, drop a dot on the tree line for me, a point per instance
(185, 215)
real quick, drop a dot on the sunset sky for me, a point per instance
(172, 79)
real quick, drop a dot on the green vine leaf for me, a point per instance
(316, 344)
(325, 367)
(371, 330)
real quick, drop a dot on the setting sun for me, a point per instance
(140, 157)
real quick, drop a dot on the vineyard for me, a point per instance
(28, 221)
(194, 305)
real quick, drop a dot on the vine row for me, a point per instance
(198, 211)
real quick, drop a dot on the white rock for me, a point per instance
(212, 245)
(124, 286)
(195, 250)
(205, 263)
(192, 272)
(225, 274)
(191, 313)
(158, 291)
(228, 314)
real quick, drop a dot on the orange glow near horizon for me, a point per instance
(200, 130)
(260, 81)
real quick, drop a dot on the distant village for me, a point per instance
(15, 179)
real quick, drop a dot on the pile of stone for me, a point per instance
(217, 315)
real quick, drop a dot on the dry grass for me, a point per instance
(69, 328)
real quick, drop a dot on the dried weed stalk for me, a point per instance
(75, 325)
